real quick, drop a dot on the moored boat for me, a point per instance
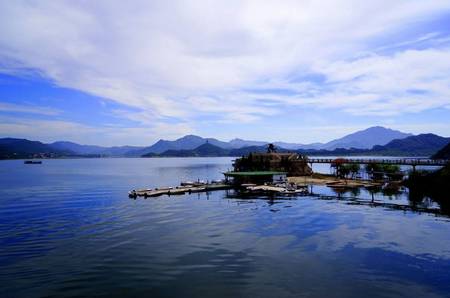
(187, 183)
(32, 162)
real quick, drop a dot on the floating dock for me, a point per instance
(179, 190)
(282, 189)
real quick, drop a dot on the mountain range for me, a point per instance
(185, 143)
(420, 145)
(363, 139)
(374, 140)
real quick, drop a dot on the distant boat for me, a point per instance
(32, 162)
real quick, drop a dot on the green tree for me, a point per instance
(375, 171)
(344, 170)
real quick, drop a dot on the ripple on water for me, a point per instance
(73, 233)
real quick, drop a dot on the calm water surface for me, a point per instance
(68, 229)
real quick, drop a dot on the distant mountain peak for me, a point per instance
(378, 127)
(190, 137)
(366, 138)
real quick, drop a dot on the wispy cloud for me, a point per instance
(407, 82)
(29, 109)
(109, 135)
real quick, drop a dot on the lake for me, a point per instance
(68, 229)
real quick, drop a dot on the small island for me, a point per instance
(291, 173)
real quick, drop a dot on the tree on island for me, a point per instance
(271, 148)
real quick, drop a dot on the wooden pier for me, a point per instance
(179, 190)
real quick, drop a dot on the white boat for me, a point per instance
(187, 183)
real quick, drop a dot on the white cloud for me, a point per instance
(186, 58)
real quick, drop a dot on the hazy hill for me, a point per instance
(239, 143)
(443, 153)
(22, 148)
(92, 149)
(121, 151)
(185, 143)
(206, 149)
(366, 139)
(250, 149)
(295, 146)
(77, 148)
(247, 150)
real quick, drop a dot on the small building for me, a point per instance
(256, 177)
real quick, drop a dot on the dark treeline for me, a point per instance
(434, 185)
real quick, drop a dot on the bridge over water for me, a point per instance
(401, 161)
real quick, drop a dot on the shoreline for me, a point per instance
(332, 181)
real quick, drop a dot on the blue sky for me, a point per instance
(115, 73)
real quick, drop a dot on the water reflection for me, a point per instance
(418, 198)
(391, 195)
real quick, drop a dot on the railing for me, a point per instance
(407, 161)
